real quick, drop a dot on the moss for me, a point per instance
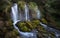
(44, 20)
(28, 25)
(36, 22)
(32, 5)
(21, 4)
(21, 24)
(24, 28)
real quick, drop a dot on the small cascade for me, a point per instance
(38, 12)
(33, 34)
(35, 13)
(15, 18)
(49, 29)
(14, 13)
(26, 12)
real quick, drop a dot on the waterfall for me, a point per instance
(32, 34)
(49, 29)
(26, 13)
(38, 12)
(14, 12)
(14, 15)
(15, 18)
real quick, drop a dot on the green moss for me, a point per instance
(24, 28)
(36, 22)
(21, 24)
(44, 20)
(32, 5)
(28, 25)
(21, 4)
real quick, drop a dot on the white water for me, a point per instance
(49, 29)
(14, 12)
(15, 17)
(26, 13)
(38, 13)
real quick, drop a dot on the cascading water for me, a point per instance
(14, 12)
(15, 19)
(26, 13)
(38, 12)
(14, 15)
(49, 29)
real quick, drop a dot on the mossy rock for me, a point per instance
(28, 26)
(32, 5)
(21, 4)
(44, 20)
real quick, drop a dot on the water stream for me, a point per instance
(32, 34)
(15, 20)
(26, 12)
(49, 29)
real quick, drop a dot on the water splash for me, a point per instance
(15, 18)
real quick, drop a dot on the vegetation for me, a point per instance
(32, 5)
(28, 26)
(21, 4)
